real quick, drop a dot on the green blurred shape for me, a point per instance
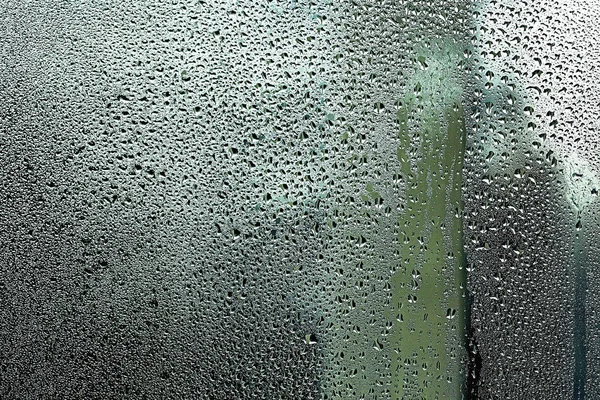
(429, 288)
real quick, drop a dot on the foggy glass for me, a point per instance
(299, 199)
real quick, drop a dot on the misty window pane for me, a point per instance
(319, 199)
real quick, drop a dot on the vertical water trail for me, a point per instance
(579, 328)
(581, 184)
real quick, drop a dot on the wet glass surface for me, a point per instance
(299, 199)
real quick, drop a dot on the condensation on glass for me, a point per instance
(299, 199)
